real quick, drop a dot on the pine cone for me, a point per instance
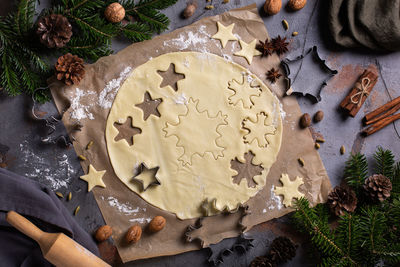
(282, 250)
(70, 69)
(262, 261)
(54, 30)
(378, 187)
(341, 199)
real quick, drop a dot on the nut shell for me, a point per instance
(305, 120)
(272, 7)
(133, 234)
(114, 13)
(103, 233)
(319, 116)
(296, 4)
(189, 10)
(157, 224)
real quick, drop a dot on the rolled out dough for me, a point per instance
(199, 132)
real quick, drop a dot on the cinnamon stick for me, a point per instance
(385, 114)
(382, 109)
(359, 93)
(380, 124)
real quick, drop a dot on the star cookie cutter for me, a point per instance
(142, 168)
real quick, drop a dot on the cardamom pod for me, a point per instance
(285, 24)
(69, 197)
(209, 7)
(317, 146)
(301, 161)
(342, 150)
(77, 210)
(60, 195)
(89, 145)
(82, 157)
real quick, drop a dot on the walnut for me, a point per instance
(133, 234)
(319, 116)
(114, 13)
(103, 233)
(157, 224)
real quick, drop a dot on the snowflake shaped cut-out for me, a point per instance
(197, 140)
(290, 189)
(243, 92)
(258, 130)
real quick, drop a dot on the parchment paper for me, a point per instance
(89, 104)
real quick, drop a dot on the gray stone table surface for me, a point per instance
(59, 168)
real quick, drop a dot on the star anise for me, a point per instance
(280, 45)
(266, 48)
(273, 75)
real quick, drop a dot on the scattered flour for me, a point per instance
(127, 210)
(195, 41)
(79, 110)
(227, 57)
(57, 174)
(107, 95)
(181, 99)
(275, 201)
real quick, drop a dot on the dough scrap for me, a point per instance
(258, 130)
(224, 33)
(243, 92)
(94, 178)
(248, 50)
(204, 91)
(290, 189)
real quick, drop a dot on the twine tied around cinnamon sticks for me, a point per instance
(359, 93)
(362, 87)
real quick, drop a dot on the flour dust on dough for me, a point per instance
(218, 113)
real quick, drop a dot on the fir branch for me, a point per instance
(356, 171)
(384, 162)
(154, 19)
(136, 32)
(396, 180)
(24, 16)
(147, 4)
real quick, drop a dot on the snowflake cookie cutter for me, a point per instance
(315, 93)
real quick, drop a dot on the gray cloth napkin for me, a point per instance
(374, 24)
(41, 206)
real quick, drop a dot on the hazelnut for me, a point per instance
(103, 233)
(133, 234)
(114, 13)
(319, 116)
(157, 224)
(272, 7)
(305, 120)
(189, 10)
(296, 4)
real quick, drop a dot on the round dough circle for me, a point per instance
(219, 112)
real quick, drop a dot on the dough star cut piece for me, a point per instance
(94, 178)
(290, 189)
(248, 50)
(224, 34)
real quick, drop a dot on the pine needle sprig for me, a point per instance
(356, 171)
(384, 162)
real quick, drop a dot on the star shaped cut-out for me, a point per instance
(146, 177)
(246, 170)
(248, 50)
(171, 77)
(149, 106)
(224, 34)
(126, 131)
(290, 189)
(94, 178)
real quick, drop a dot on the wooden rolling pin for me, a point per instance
(57, 248)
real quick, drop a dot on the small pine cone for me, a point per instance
(282, 250)
(54, 30)
(70, 69)
(262, 261)
(378, 187)
(341, 199)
